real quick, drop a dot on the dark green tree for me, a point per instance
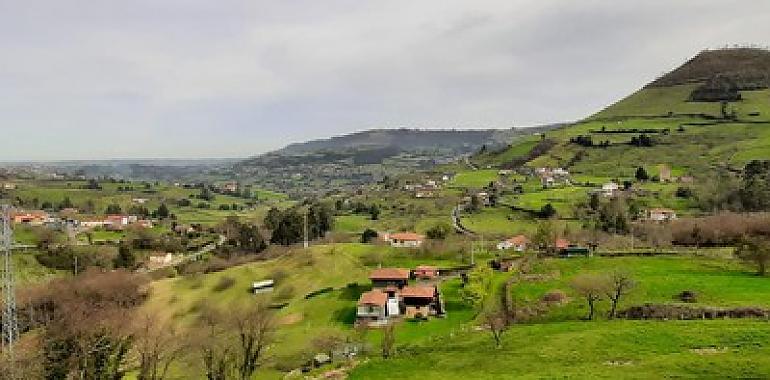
(113, 209)
(641, 174)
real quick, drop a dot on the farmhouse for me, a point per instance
(34, 218)
(392, 296)
(421, 301)
(389, 278)
(425, 272)
(372, 308)
(92, 222)
(405, 240)
(661, 214)
(518, 243)
(118, 222)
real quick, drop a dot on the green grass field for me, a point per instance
(474, 178)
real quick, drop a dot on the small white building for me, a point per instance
(265, 286)
(610, 189)
(405, 240)
(518, 243)
(661, 215)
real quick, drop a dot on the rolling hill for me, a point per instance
(711, 112)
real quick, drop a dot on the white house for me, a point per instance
(518, 243)
(661, 214)
(609, 189)
(405, 240)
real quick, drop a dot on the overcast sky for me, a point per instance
(191, 79)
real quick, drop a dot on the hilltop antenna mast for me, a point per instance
(10, 321)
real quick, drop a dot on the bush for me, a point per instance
(684, 192)
(278, 275)
(368, 235)
(224, 283)
(439, 231)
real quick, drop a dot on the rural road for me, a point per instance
(457, 224)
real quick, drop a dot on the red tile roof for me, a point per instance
(426, 268)
(374, 297)
(389, 274)
(418, 291)
(561, 243)
(406, 236)
(518, 240)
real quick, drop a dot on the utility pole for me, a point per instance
(10, 320)
(307, 244)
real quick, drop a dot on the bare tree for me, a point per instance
(214, 345)
(620, 283)
(497, 323)
(388, 342)
(157, 344)
(255, 328)
(591, 287)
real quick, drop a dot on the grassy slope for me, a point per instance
(323, 266)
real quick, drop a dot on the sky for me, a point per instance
(201, 79)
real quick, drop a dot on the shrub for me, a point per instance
(368, 235)
(554, 296)
(224, 283)
(439, 231)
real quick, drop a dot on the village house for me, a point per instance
(422, 192)
(392, 296)
(610, 189)
(92, 222)
(421, 301)
(33, 218)
(9, 186)
(372, 308)
(405, 240)
(390, 278)
(230, 187)
(425, 272)
(160, 259)
(140, 201)
(119, 222)
(518, 243)
(661, 214)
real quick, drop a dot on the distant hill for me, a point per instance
(362, 157)
(461, 141)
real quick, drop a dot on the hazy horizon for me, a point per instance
(194, 79)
